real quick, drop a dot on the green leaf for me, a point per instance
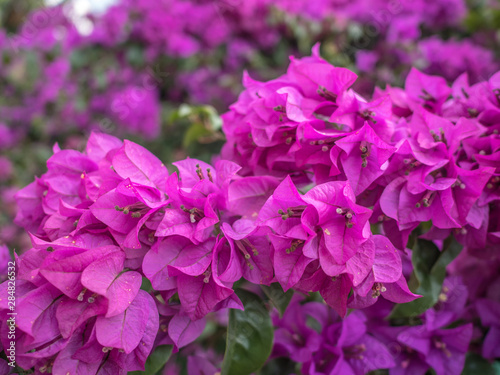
(278, 297)
(496, 367)
(79, 58)
(249, 336)
(213, 116)
(429, 271)
(146, 285)
(155, 361)
(475, 364)
(135, 56)
(194, 133)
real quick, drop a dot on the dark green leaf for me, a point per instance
(135, 56)
(249, 337)
(429, 271)
(496, 367)
(155, 361)
(278, 297)
(475, 364)
(146, 285)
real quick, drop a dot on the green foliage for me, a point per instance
(146, 285)
(482, 17)
(278, 297)
(155, 361)
(249, 336)
(428, 275)
(475, 364)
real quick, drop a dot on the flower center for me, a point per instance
(494, 182)
(411, 163)
(295, 244)
(46, 368)
(354, 351)
(292, 212)
(377, 289)
(195, 214)
(426, 201)
(136, 210)
(241, 246)
(439, 137)
(282, 111)
(348, 214)
(199, 172)
(459, 184)
(367, 115)
(426, 96)
(326, 94)
(438, 344)
(365, 149)
(207, 275)
(473, 112)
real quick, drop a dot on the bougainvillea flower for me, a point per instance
(71, 313)
(38, 318)
(162, 253)
(318, 79)
(348, 349)
(364, 157)
(63, 268)
(339, 223)
(283, 210)
(488, 312)
(183, 330)
(125, 330)
(290, 262)
(250, 247)
(385, 278)
(444, 349)
(140, 166)
(293, 337)
(247, 195)
(107, 277)
(407, 361)
(428, 91)
(353, 111)
(199, 296)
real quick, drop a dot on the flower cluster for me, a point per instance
(104, 219)
(362, 342)
(426, 152)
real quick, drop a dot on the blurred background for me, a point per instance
(160, 72)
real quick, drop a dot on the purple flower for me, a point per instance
(4, 260)
(348, 349)
(442, 349)
(364, 157)
(250, 252)
(293, 337)
(428, 91)
(385, 278)
(488, 313)
(337, 223)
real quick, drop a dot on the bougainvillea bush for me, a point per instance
(334, 234)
